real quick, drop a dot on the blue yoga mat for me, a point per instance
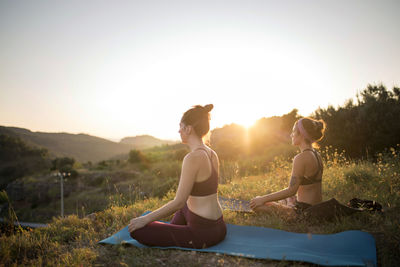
(354, 248)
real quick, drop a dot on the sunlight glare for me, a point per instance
(245, 81)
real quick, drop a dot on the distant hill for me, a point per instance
(145, 141)
(82, 147)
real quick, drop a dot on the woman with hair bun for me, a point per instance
(306, 173)
(198, 220)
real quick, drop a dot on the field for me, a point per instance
(72, 241)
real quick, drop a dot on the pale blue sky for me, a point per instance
(123, 68)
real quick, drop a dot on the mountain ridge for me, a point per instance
(82, 147)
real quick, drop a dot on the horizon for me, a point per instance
(117, 140)
(120, 69)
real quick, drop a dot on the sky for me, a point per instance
(123, 68)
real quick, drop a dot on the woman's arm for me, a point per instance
(190, 167)
(297, 171)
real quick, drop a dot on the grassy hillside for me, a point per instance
(73, 240)
(81, 147)
(36, 197)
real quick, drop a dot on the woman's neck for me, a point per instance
(303, 146)
(195, 143)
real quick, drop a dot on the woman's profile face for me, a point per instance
(295, 135)
(183, 132)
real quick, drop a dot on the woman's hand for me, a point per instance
(137, 223)
(256, 202)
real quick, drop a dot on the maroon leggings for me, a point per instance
(185, 230)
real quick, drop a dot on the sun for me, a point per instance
(227, 115)
(246, 123)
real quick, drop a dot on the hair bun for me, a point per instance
(319, 125)
(208, 107)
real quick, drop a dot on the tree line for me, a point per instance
(364, 127)
(360, 128)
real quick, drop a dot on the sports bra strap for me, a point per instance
(316, 155)
(209, 156)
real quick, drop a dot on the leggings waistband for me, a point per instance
(193, 218)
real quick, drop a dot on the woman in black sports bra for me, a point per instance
(306, 177)
(198, 220)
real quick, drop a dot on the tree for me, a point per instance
(367, 127)
(135, 156)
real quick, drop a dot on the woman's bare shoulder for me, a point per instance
(192, 155)
(214, 153)
(299, 158)
(195, 156)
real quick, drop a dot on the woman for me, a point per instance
(198, 221)
(306, 173)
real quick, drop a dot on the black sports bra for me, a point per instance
(209, 186)
(317, 177)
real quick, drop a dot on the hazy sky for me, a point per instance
(123, 68)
